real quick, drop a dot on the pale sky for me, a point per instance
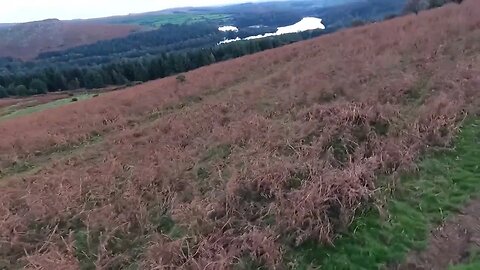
(33, 10)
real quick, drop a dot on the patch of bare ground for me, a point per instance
(449, 244)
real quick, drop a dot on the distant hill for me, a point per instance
(27, 40)
(79, 38)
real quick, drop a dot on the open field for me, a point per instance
(250, 161)
(175, 18)
(29, 101)
(38, 105)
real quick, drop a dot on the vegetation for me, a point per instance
(140, 69)
(38, 86)
(467, 266)
(42, 107)
(419, 5)
(187, 42)
(250, 158)
(444, 182)
(175, 19)
(3, 92)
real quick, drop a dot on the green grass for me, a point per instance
(468, 266)
(444, 182)
(180, 18)
(42, 107)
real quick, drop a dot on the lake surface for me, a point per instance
(306, 24)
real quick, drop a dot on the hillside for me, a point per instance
(181, 40)
(237, 164)
(27, 40)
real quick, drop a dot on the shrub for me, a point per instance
(22, 90)
(38, 86)
(181, 78)
(357, 23)
(74, 99)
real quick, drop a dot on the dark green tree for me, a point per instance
(140, 72)
(3, 92)
(118, 79)
(22, 90)
(12, 90)
(93, 79)
(73, 84)
(38, 86)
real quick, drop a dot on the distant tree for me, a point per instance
(3, 92)
(412, 6)
(12, 90)
(357, 23)
(93, 79)
(419, 5)
(155, 69)
(389, 17)
(118, 79)
(55, 80)
(38, 86)
(73, 84)
(140, 72)
(22, 90)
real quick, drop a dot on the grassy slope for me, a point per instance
(12, 112)
(444, 182)
(182, 18)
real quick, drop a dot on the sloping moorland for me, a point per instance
(243, 161)
(27, 40)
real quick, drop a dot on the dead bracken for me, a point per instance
(265, 157)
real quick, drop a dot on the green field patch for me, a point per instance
(177, 18)
(422, 200)
(42, 107)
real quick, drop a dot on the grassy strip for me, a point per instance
(46, 106)
(444, 182)
(179, 19)
(474, 265)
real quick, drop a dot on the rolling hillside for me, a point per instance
(27, 40)
(244, 163)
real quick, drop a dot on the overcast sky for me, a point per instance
(32, 10)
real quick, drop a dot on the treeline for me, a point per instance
(122, 72)
(169, 38)
(419, 5)
(177, 37)
(174, 49)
